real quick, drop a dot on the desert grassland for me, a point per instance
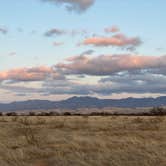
(83, 141)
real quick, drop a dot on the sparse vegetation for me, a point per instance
(82, 140)
(11, 114)
(155, 111)
(158, 111)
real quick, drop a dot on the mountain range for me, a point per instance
(75, 103)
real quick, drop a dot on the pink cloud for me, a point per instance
(26, 74)
(119, 40)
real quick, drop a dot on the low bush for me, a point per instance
(158, 111)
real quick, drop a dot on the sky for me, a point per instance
(56, 49)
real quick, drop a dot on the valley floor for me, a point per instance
(83, 141)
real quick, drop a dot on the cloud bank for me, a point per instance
(109, 64)
(122, 73)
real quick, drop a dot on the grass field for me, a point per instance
(83, 141)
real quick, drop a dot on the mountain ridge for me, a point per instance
(83, 102)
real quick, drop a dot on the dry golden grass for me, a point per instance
(83, 141)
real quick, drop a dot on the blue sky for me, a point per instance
(25, 45)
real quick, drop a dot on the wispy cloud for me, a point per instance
(12, 53)
(73, 5)
(58, 32)
(3, 30)
(87, 52)
(54, 31)
(112, 29)
(58, 43)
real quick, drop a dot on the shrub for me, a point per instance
(40, 121)
(158, 111)
(53, 114)
(47, 114)
(32, 114)
(25, 121)
(11, 114)
(137, 120)
(67, 114)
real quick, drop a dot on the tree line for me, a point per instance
(155, 111)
